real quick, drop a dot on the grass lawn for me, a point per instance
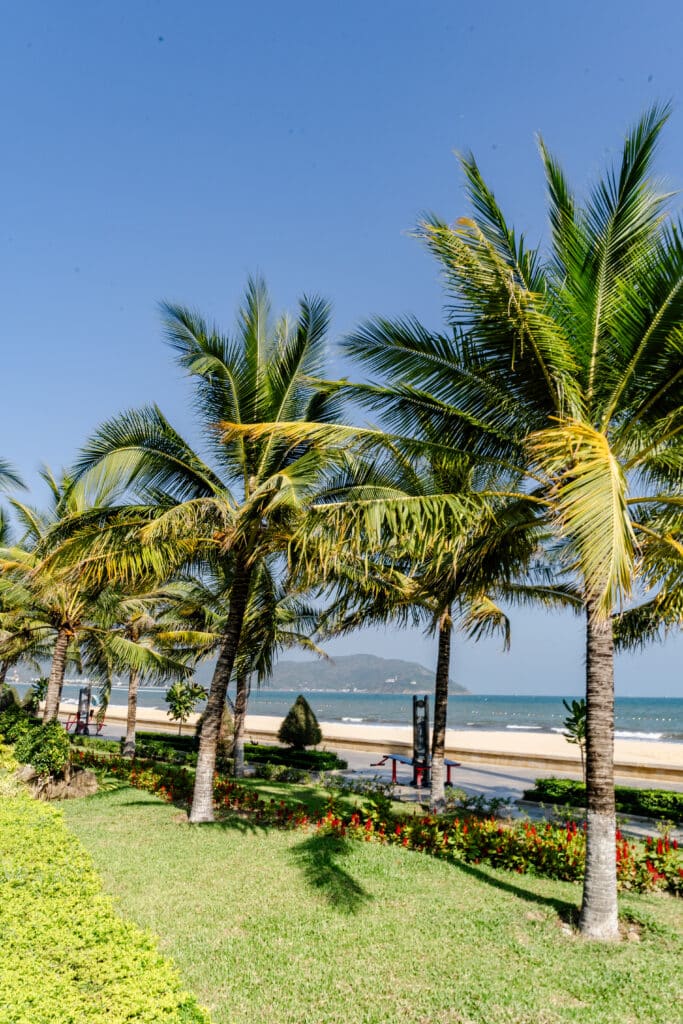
(284, 927)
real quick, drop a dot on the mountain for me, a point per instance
(364, 672)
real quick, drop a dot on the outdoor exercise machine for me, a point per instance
(421, 761)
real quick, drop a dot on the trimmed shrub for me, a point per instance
(96, 742)
(169, 740)
(66, 956)
(300, 728)
(309, 760)
(45, 747)
(650, 803)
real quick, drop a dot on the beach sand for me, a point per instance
(633, 758)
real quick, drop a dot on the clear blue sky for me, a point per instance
(166, 149)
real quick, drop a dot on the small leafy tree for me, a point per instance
(37, 693)
(181, 699)
(300, 728)
(575, 724)
(46, 748)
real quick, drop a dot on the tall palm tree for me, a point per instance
(458, 583)
(570, 371)
(275, 619)
(53, 606)
(59, 611)
(147, 637)
(242, 508)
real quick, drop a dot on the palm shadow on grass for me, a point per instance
(319, 858)
(566, 911)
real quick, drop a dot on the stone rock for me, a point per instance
(75, 783)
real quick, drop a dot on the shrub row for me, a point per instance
(549, 850)
(156, 747)
(309, 760)
(185, 743)
(66, 956)
(650, 803)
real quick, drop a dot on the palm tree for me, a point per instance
(276, 619)
(9, 476)
(569, 370)
(457, 584)
(55, 611)
(52, 607)
(147, 636)
(246, 508)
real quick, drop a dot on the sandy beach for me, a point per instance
(545, 751)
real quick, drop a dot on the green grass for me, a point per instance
(279, 927)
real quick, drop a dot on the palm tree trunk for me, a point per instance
(56, 681)
(437, 793)
(4, 668)
(202, 800)
(599, 908)
(241, 698)
(131, 717)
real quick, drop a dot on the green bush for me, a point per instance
(96, 742)
(169, 740)
(280, 773)
(310, 760)
(45, 747)
(650, 803)
(8, 697)
(300, 728)
(66, 956)
(15, 722)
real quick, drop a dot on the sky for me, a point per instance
(165, 150)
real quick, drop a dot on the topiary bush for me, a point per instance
(45, 747)
(300, 728)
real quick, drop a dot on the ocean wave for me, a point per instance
(526, 728)
(625, 734)
(353, 721)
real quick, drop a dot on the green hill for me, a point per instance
(362, 672)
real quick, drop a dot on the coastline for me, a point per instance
(544, 751)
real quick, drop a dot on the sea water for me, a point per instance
(639, 718)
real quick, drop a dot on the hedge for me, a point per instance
(66, 956)
(650, 803)
(310, 760)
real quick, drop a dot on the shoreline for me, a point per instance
(533, 749)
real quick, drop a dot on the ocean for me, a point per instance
(643, 718)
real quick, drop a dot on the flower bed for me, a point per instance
(547, 849)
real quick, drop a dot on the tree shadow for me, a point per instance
(318, 857)
(566, 911)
